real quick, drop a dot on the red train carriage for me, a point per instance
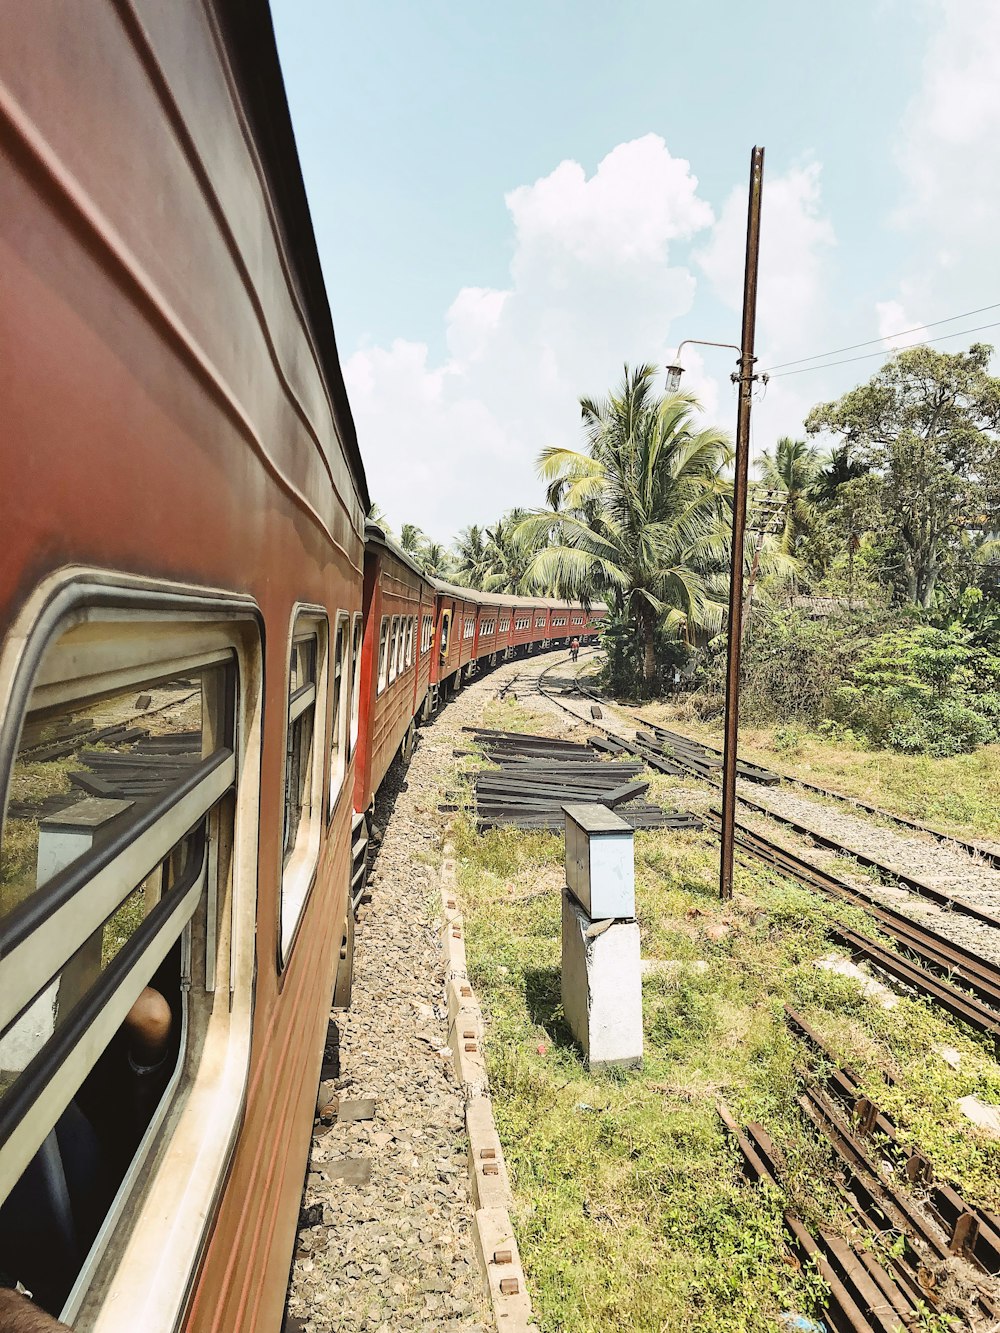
(399, 609)
(182, 503)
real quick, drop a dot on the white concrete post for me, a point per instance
(601, 974)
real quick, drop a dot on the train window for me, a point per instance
(303, 770)
(426, 633)
(409, 641)
(340, 703)
(356, 641)
(123, 899)
(383, 654)
(540, 622)
(445, 627)
(469, 628)
(395, 655)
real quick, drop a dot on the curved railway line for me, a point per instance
(886, 1182)
(922, 959)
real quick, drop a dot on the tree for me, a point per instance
(377, 516)
(470, 556)
(435, 559)
(411, 539)
(641, 515)
(793, 470)
(924, 429)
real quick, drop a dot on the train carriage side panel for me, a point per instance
(394, 685)
(173, 382)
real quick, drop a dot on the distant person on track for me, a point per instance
(574, 649)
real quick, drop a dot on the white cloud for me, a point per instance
(896, 328)
(948, 138)
(796, 238)
(595, 281)
(946, 149)
(793, 288)
(592, 286)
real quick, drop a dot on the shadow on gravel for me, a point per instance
(543, 998)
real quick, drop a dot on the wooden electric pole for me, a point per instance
(745, 380)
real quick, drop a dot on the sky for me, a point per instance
(512, 201)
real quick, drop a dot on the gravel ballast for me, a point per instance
(397, 1253)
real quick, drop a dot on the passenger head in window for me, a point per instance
(20, 1315)
(148, 1025)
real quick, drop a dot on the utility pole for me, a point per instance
(745, 380)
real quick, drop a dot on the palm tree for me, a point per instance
(470, 556)
(509, 553)
(377, 516)
(641, 517)
(435, 559)
(411, 538)
(793, 470)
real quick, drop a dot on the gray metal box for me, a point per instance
(600, 862)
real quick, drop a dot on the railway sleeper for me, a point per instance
(980, 1243)
(862, 1296)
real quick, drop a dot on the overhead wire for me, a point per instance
(903, 333)
(867, 356)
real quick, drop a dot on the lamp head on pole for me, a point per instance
(674, 374)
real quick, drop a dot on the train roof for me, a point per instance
(376, 536)
(253, 51)
(510, 599)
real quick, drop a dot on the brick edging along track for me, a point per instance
(492, 1227)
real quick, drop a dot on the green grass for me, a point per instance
(959, 794)
(630, 1207)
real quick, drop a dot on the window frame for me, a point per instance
(393, 648)
(297, 873)
(341, 706)
(383, 655)
(357, 648)
(154, 628)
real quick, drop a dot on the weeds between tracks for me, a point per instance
(630, 1206)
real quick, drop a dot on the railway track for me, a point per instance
(921, 959)
(918, 1225)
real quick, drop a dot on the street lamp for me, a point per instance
(675, 371)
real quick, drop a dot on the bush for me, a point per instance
(792, 667)
(922, 689)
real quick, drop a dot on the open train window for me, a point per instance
(357, 639)
(445, 627)
(426, 633)
(383, 654)
(340, 705)
(409, 641)
(126, 938)
(303, 769)
(394, 649)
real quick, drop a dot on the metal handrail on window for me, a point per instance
(42, 933)
(44, 1089)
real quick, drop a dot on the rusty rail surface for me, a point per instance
(863, 1296)
(967, 1231)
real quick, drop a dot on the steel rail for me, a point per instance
(970, 1231)
(918, 886)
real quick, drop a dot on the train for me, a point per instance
(209, 660)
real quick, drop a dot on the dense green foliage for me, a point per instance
(920, 689)
(871, 566)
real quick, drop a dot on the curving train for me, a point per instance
(207, 664)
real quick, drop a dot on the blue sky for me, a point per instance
(510, 201)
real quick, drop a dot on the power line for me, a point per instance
(885, 338)
(866, 356)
